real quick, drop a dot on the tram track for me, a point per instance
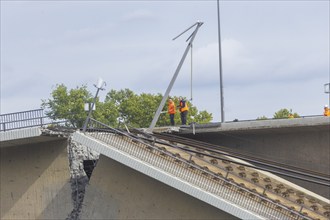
(215, 149)
(214, 162)
(248, 171)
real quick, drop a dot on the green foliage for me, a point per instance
(262, 118)
(285, 113)
(139, 110)
(67, 104)
(107, 113)
(123, 106)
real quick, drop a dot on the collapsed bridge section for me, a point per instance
(214, 182)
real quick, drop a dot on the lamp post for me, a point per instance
(99, 87)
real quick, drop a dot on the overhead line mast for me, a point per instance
(198, 24)
(220, 69)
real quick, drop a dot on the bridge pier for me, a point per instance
(35, 181)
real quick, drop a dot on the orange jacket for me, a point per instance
(171, 107)
(326, 112)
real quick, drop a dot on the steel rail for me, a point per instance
(243, 164)
(255, 160)
(211, 147)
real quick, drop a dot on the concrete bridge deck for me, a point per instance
(123, 192)
(152, 164)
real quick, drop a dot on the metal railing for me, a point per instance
(191, 172)
(25, 119)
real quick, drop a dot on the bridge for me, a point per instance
(300, 142)
(105, 173)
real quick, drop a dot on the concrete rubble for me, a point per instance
(77, 154)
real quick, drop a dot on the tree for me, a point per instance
(107, 113)
(67, 104)
(285, 113)
(123, 106)
(262, 118)
(132, 109)
(139, 110)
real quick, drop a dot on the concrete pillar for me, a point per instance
(35, 181)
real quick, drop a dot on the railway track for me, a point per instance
(268, 165)
(248, 171)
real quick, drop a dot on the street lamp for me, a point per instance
(100, 84)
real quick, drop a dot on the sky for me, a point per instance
(275, 54)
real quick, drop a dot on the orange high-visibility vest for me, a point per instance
(183, 108)
(171, 108)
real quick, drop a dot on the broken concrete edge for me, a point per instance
(57, 131)
(77, 154)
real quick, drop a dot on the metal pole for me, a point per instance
(155, 119)
(220, 68)
(191, 73)
(90, 111)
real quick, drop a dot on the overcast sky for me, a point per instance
(275, 54)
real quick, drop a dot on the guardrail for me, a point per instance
(25, 119)
(191, 172)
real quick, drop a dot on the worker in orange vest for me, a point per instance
(171, 110)
(326, 111)
(183, 110)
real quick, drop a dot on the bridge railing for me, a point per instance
(25, 119)
(190, 172)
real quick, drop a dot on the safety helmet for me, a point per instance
(326, 106)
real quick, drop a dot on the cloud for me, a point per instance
(236, 62)
(139, 14)
(129, 45)
(244, 63)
